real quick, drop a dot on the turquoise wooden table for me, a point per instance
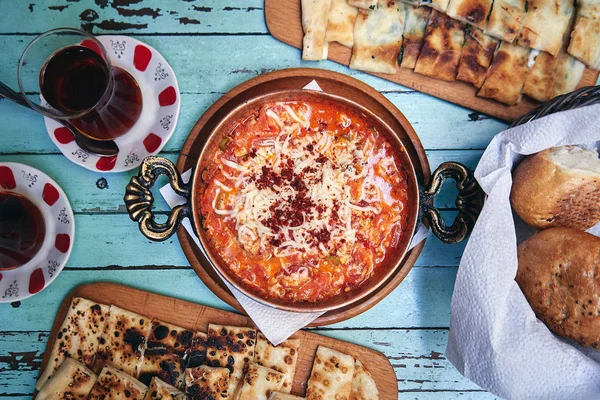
(214, 45)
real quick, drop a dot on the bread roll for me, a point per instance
(559, 274)
(559, 186)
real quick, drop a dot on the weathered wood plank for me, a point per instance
(417, 357)
(422, 300)
(135, 16)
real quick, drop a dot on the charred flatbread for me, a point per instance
(163, 364)
(171, 337)
(314, 23)
(340, 26)
(414, 33)
(440, 54)
(284, 396)
(331, 375)
(378, 38)
(196, 353)
(159, 390)
(552, 76)
(363, 384)
(507, 74)
(204, 383)
(472, 12)
(585, 37)
(78, 336)
(281, 358)
(230, 347)
(505, 19)
(545, 23)
(476, 57)
(259, 382)
(123, 341)
(440, 5)
(364, 4)
(113, 384)
(72, 381)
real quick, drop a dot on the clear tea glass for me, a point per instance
(73, 73)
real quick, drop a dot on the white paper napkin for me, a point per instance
(495, 339)
(276, 325)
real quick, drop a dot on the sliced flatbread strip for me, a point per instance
(281, 358)
(585, 37)
(340, 27)
(507, 74)
(171, 337)
(259, 382)
(159, 390)
(113, 384)
(477, 55)
(414, 33)
(284, 396)
(440, 5)
(472, 12)
(553, 76)
(314, 23)
(196, 354)
(364, 4)
(123, 341)
(163, 364)
(441, 49)
(78, 336)
(331, 375)
(545, 24)
(231, 347)
(363, 384)
(378, 38)
(72, 381)
(207, 382)
(506, 19)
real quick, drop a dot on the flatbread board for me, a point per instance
(284, 23)
(197, 317)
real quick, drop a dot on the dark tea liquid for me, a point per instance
(75, 79)
(22, 230)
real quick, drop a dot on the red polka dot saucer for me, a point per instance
(35, 275)
(160, 109)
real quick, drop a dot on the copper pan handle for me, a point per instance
(469, 202)
(139, 199)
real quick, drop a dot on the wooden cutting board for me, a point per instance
(197, 317)
(284, 23)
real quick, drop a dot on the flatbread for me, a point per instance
(364, 4)
(340, 27)
(472, 12)
(505, 19)
(545, 24)
(72, 381)
(378, 38)
(440, 5)
(476, 57)
(363, 384)
(281, 358)
(78, 336)
(414, 33)
(123, 341)
(196, 354)
(163, 364)
(331, 375)
(314, 23)
(159, 390)
(552, 76)
(507, 74)
(585, 37)
(113, 384)
(207, 382)
(231, 347)
(259, 382)
(171, 337)
(284, 396)
(440, 54)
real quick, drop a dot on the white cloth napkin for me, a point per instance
(276, 325)
(495, 338)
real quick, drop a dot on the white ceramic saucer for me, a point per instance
(33, 277)
(160, 109)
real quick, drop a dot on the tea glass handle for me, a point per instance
(139, 199)
(469, 202)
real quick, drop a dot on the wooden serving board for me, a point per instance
(197, 317)
(284, 22)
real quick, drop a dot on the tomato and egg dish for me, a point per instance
(304, 200)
